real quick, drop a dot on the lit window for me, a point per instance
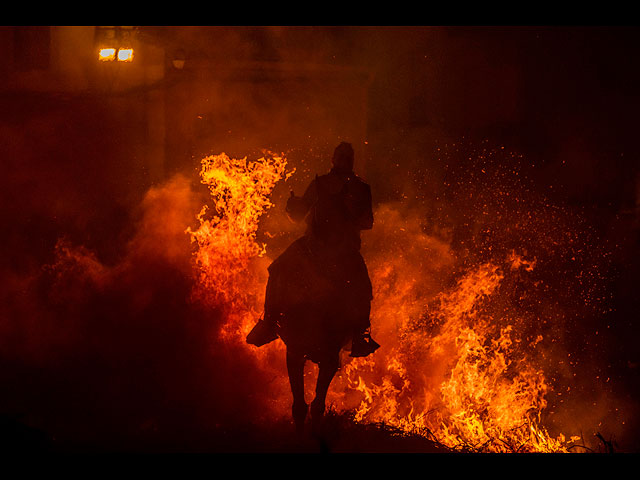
(107, 54)
(125, 54)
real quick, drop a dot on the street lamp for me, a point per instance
(125, 54)
(107, 54)
(114, 44)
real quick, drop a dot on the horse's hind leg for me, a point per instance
(327, 371)
(295, 369)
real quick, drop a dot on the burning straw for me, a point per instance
(465, 332)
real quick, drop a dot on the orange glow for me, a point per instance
(459, 378)
(227, 240)
(107, 54)
(231, 266)
(125, 55)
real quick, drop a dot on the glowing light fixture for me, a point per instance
(114, 43)
(107, 54)
(125, 54)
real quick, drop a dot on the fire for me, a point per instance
(454, 366)
(226, 242)
(459, 375)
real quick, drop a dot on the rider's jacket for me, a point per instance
(336, 207)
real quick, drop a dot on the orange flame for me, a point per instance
(468, 385)
(450, 368)
(226, 242)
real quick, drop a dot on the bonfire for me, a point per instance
(458, 364)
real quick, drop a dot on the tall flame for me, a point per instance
(226, 241)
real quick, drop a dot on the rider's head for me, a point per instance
(343, 157)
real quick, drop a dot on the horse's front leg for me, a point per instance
(327, 371)
(295, 369)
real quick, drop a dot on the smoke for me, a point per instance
(115, 355)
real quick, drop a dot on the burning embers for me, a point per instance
(459, 364)
(460, 375)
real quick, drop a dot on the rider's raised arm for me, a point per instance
(298, 207)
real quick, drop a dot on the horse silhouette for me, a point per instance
(318, 293)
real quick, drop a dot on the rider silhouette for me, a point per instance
(336, 207)
(318, 295)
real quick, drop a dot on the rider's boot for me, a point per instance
(362, 344)
(265, 331)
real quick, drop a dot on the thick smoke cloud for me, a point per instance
(115, 355)
(101, 346)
